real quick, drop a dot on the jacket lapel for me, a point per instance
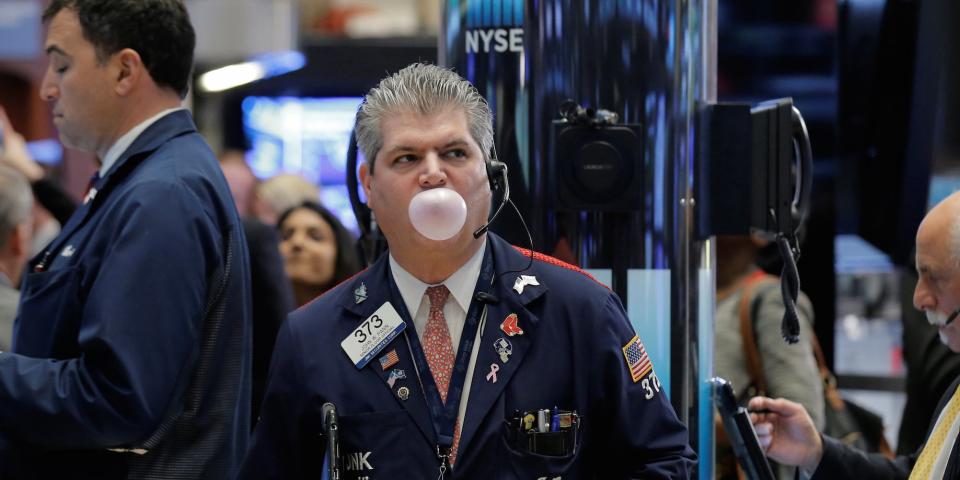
(484, 392)
(169, 126)
(375, 283)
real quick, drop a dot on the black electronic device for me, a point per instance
(754, 176)
(371, 242)
(497, 176)
(754, 169)
(743, 438)
(331, 431)
(597, 163)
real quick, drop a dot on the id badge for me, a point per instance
(374, 333)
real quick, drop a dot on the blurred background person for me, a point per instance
(16, 203)
(270, 290)
(318, 251)
(241, 179)
(280, 193)
(53, 204)
(788, 371)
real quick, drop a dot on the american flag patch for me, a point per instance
(637, 360)
(391, 359)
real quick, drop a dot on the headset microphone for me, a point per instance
(497, 176)
(497, 173)
(488, 298)
(952, 317)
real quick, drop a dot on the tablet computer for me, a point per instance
(743, 438)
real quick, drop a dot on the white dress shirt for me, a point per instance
(124, 142)
(461, 284)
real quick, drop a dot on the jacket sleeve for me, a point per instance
(644, 431)
(276, 449)
(842, 461)
(141, 309)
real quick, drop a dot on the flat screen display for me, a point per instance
(307, 136)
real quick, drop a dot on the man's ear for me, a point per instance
(365, 179)
(130, 70)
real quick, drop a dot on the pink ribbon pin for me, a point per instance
(492, 376)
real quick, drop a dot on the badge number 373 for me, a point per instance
(372, 335)
(371, 324)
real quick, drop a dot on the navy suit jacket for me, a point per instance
(131, 348)
(842, 461)
(570, 356)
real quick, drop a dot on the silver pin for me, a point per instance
(360, 294)
(396, 374)
(403, 393)
(504, 349)
(524, 280)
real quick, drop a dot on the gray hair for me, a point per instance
(16, 202)
(423, 89)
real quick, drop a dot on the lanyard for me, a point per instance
(444, 416)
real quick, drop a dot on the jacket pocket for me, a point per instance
(48, 320)
(384, 445)
(517, 463)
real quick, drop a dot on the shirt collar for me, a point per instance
(5, 280)
(124, 142)
(461, 284)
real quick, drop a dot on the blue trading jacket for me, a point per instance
(131, 348)
(570, 355)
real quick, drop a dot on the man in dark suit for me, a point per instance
(931, 369)
(786, 431)
(131, 347)
(439, 355)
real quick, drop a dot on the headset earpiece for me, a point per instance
(496, 174)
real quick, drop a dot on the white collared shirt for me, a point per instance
(461, 284)
(124, 142)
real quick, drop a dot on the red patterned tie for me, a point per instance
(93, 182)
(436, 340)
(438, 348)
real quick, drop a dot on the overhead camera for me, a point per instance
(597, 163)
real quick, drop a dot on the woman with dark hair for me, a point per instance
(318, 252)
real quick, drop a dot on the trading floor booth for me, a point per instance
(605, 114)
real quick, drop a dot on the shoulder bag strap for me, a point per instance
(754, 365)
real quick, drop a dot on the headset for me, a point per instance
(497, 176)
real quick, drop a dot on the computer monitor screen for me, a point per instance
(307, 136)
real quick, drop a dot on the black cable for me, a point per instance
(787, 242)
(789, 289)
(529, 240)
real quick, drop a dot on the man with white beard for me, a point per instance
(786, 431)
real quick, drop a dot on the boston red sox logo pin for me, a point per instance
(510, 327)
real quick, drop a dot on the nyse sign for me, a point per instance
(494, 39)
